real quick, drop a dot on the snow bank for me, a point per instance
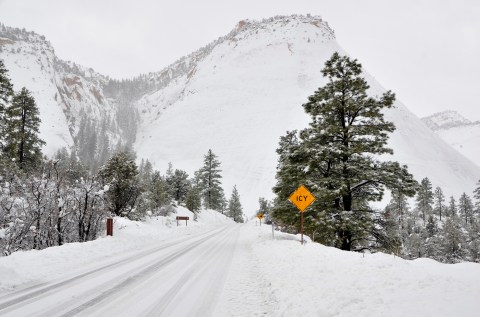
(314, 280)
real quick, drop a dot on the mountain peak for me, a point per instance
(285, 20)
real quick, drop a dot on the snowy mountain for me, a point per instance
(461, 133)
(66, 93)
(236, 96)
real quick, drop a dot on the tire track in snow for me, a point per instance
(213, 260)
(10, 302)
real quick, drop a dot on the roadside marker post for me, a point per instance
(109, 227)
(302, 198)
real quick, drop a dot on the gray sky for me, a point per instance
(426, 51)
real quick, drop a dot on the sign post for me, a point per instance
(182, 218)
(260, 216)
(302, 198)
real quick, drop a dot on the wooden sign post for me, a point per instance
(182, 218)
(302, 198)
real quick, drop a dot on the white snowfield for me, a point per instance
(216, 268)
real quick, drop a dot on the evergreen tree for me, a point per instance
(453, 241)
(161, 191)
(424, 198)
(398, 206)
(120, 174)
(193, 201)
(210, 183)
(235, 207)
(389, 239)
(223, 203)
(6, 94)
(22, 141)
(336, 154)
(465, 208)
(180, 185)
(439, 198)
(452, 207)
(473, 242)
(431, 238)
(416, 243)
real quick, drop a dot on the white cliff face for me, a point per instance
(459, 132)
(236, 96)
(30, 62)
(63, 91)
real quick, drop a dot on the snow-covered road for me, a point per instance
(182, 277)
(215, 268)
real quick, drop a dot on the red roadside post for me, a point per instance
(109, 227)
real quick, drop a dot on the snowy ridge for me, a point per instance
(459, 132)
(185, 66)
(446, 119)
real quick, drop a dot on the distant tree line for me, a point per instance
(447, 231)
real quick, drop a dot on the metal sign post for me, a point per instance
(302, 198)
(260, 216)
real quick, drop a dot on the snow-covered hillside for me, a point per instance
(459, 132)
(249, 90)
(236, 96)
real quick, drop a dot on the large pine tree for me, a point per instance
(337, 154)
(22, 141)
(210, 182)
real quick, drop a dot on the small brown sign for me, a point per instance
(183, 218)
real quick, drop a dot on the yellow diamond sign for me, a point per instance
(260, 216)
(302, 198)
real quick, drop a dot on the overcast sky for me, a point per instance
(425, 51)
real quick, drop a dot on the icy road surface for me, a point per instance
(183, 277)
